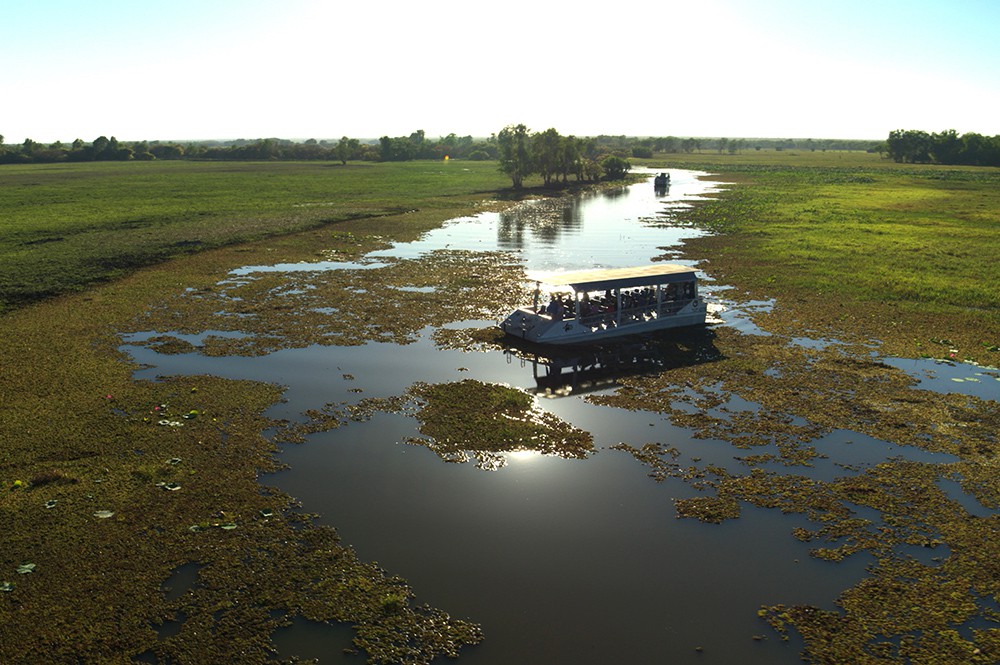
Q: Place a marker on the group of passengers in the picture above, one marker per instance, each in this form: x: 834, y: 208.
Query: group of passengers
x: 637, y: 304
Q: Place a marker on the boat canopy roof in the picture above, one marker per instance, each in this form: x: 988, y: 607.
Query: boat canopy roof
x: 597, y: 280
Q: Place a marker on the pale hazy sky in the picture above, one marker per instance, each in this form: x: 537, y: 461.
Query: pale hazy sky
x: 200, y: 69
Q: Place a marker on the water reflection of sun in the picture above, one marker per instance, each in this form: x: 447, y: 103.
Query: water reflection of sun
x: 523, y: 455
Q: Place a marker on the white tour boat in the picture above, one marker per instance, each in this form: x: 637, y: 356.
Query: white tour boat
x: 591, y: 305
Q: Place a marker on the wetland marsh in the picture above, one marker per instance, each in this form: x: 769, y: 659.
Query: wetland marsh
x: 776, y: 485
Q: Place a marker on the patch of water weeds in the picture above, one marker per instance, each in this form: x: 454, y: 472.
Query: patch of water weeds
x: 266, y: 311
x: 463, y: 420
x: 910, y: 608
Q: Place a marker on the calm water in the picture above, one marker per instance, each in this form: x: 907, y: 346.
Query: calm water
x: 561, y: 561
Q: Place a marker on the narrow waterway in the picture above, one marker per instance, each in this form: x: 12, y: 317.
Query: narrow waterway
x: 562, y: 561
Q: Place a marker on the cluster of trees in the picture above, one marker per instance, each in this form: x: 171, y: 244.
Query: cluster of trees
x: 552, y: 156
x: 415, y: 146
x: 947, y: 147
x: 101, y: 149
x: 418, y: 146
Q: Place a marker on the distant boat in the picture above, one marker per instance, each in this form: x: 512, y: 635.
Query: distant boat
x: 662, y: 181
x: 592, y: 305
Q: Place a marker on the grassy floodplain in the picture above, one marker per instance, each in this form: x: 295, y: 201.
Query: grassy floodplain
x: 66, y: 226
x: 105, y: 502
x: 851, y: 244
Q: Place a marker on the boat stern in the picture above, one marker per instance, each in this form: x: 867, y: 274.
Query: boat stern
x: 542, y: 328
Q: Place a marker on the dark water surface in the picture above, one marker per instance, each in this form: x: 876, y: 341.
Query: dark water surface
x: 561, y: 561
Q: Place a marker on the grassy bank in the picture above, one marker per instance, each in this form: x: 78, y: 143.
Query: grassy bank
x: 68, y: 226
x: 852, y: 245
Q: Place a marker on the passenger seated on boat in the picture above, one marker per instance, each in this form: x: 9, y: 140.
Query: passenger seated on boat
x: 555, y: 309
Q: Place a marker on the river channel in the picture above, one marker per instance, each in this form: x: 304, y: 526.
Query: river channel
x: 578, y: 561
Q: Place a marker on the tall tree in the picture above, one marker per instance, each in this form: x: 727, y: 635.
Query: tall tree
x: 514, y: 153
x: 545, y: 149
x: 345, y: 149
x: 569, y: 158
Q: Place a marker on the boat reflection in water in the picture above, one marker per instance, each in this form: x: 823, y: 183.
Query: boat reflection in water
x: 579, y: 369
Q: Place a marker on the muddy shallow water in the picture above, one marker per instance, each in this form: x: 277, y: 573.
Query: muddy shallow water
x: 560, y: 560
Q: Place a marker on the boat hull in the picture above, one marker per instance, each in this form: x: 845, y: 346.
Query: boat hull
x: 544, y: 329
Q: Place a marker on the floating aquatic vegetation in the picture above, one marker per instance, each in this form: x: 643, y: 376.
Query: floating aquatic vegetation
x: 471, y: 418
x: 483, y: 338
x: 168, y: 344
x: 104, y: 514
x: 462, y: 420
x: 6, y: 586
x: 652, y: 455
x: 904, y: 608
x: 26, y: 568
x: 275, y: 309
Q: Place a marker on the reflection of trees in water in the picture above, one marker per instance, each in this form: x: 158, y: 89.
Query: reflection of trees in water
x: 542, y: 222
x: 546, y: 222
x: 615, y: 193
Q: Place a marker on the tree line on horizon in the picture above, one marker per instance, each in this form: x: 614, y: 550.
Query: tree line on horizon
x: 400, y: 148
x: 914, y: 146
x: 904, y: 146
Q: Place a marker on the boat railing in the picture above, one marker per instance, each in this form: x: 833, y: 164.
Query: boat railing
x: 635, y: 314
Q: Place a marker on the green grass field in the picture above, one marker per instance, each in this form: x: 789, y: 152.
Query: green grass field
x: 66, y: 226
x: 860, y: 242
